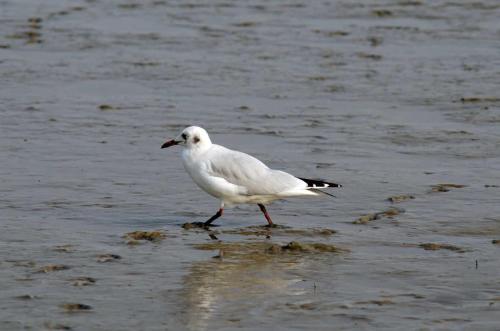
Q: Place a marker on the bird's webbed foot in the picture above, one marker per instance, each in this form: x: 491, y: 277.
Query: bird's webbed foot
x: 197, y: 225
x: 272, y: 226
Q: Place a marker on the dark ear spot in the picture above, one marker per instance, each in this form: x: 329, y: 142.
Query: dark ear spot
x: 196, y: 139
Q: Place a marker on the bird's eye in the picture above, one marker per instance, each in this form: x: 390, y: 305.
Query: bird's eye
x: 196, y: 139
x: 184, y: 136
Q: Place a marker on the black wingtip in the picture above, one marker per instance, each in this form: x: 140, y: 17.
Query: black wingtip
x: 319, y: 183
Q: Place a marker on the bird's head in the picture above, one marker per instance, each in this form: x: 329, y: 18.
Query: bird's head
x: 192, y: 137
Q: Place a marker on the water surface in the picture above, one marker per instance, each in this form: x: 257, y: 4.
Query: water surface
x: 387, y: 98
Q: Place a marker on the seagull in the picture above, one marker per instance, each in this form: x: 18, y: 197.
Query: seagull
x: 235, y: 177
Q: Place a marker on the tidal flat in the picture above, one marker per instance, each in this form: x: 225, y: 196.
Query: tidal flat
x: 396, y: 100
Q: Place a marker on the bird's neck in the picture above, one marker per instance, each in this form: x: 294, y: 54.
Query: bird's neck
x: 199, y: 149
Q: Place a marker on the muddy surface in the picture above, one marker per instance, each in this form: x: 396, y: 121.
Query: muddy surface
x: 388, y: 98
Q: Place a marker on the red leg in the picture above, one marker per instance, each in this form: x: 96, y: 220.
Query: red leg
x: 213, y: 218
x: 264, y: 211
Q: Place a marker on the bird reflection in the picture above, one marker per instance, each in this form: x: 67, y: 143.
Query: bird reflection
x: 241, y: 275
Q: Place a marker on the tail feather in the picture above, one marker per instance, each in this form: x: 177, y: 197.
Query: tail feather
x: 315, y: 184
x: 315, y: 190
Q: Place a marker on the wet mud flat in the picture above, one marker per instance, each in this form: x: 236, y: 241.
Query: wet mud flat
x: 396, y: 100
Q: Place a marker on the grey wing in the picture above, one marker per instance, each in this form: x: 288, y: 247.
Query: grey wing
x: 253, y: 176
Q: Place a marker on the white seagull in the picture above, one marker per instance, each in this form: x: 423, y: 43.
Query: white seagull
x: 235, y: 177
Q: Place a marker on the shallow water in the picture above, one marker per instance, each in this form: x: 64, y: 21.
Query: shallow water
x: 387, y: 98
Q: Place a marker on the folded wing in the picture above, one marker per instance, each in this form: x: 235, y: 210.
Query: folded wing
x: 251, y: 175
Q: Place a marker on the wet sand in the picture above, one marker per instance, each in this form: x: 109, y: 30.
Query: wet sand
x: 396, y: 100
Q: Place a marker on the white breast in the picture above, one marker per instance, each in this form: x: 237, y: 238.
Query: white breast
x: 198, y: 168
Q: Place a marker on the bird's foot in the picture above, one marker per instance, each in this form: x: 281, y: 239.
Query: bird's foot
x: 272, y: 226
x: 197, y: 225
x: 275, y: 226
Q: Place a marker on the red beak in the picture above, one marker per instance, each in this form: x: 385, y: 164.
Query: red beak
x: 169, y: 143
